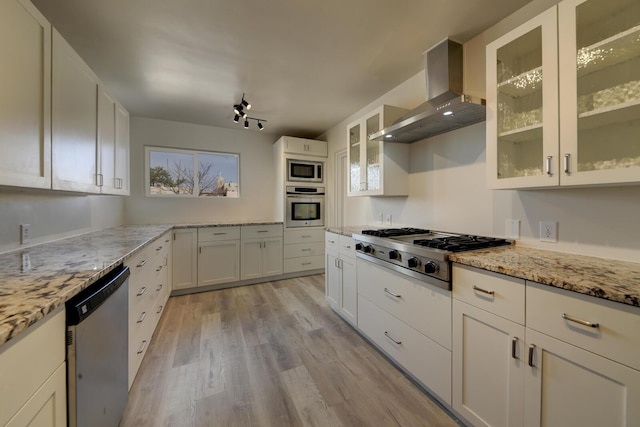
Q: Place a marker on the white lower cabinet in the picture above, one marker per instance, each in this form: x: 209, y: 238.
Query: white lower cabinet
x: 147, y: 293
x: 261, y: 251
x: 34, y: 378
x: 218, y: 255
x: 303, y: 250
x: 410, y: 321
x: 572, y: 361
x: 341, y: 289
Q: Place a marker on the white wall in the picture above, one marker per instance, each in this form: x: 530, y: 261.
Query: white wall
x: 448, y: 180
x: 54, y: 215
x: 256, y: 174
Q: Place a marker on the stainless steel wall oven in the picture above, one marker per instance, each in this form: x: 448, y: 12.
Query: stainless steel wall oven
x: 304, y: 207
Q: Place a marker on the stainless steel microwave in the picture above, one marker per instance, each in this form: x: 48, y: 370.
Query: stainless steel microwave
x: 305, y: 171
x: 305, y: 207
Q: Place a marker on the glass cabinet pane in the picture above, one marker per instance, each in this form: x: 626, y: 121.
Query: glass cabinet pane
x: 373, y: 154
x: 519, y: 109
x: 608, y: 84
x: 354, y: 158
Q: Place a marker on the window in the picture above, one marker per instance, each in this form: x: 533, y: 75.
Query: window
x: 189, y: 173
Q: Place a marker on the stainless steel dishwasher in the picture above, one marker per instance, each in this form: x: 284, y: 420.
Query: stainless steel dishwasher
x: 97, y: 352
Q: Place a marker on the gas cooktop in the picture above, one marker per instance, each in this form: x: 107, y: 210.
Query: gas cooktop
x: 421, y: 253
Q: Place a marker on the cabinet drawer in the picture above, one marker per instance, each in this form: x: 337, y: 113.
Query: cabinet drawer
x: 292, y: 265
x: 213, y: 234
x: 424, y: 307
x: 303, y: 236
x: 347, y: 246
x: 332, y: 241
x: 260, y: 231
x: 303, y: 249
x: 429, y: 362
x: 493, y: 292
x: 617, y: 336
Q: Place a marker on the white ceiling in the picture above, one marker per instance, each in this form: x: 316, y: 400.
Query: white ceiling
x: 304, y: 65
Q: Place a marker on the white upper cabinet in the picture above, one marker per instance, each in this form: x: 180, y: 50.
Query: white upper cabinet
x: 113, y: 143
x: 122, y: 151
x: 74, y: 121
x: 307, y: 147
x: 522, y: 105
x: 376, y: 168
x: 583, y: 55
x: 599, y: 55
x: 25, y: 104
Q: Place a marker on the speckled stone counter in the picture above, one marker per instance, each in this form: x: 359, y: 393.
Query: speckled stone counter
x: 227, y: 224
x: 603, y: 278
x: 351, y: 229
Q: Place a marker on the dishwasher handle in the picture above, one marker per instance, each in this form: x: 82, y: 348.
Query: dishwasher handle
x: 88, y: 300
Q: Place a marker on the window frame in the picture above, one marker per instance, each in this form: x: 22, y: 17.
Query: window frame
x: 196, y: 165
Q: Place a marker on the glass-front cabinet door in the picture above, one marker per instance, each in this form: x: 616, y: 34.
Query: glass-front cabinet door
x: 353, y: 136
x: 599, y: 50
x: 373, y: 170
x: 522, y: 106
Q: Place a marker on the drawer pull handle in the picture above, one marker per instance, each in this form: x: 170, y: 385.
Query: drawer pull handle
x: 305, y: 250
x: 306, y: 263
x: 141, y: 319
x: 386, y: 334
x: 159, y: 309
x: 159, y: 287
x: 306, y: 236
x: 144, y: 345
x: 330, y: 241
x: 159, y: 248
x: 514, y: 348
x: 262, y: 231
x: 580, y: 321
x: 347, y: 246
x: 143, y: 262
x: 219, y: 234
x: 484, y: 291
x: 532, y: 349
x: 142, y: 291
x: 159, y: 268
x: 392, y: 294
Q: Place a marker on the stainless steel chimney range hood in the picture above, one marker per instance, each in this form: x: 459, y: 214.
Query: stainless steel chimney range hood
x: 446, y: 109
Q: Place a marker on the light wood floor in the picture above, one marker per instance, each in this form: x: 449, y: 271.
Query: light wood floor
x: 272, y: 354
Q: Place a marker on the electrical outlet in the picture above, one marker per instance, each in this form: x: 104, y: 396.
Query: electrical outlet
x: 512, y: 228
x: 380, y: 218
x: 387, y: 219
x: 25, y: 233
x: 26, y: 262
x: 548, y: 231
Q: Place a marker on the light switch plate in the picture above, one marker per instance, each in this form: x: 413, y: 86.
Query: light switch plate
x: 387, y: 219
x: 25, y: 233
x: 548, y: 231
x: 512, y: 229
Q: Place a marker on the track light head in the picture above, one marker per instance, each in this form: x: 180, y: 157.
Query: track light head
x: 260, y: 127
x: 243, y: 114
x: 238, y: 109
x: 246, y: 104
x: 236, y: 118
x: 246, y: 123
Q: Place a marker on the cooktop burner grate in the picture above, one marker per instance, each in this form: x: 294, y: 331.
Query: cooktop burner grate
x: 461, y: 243
x: 395, y: 232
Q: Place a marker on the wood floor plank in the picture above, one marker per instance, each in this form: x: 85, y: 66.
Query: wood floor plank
x: 272, y: 354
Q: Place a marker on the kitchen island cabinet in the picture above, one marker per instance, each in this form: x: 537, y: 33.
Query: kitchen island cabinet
x: 25, y: 106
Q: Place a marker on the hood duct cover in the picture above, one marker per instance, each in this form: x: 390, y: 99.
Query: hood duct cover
x: 446, y: 109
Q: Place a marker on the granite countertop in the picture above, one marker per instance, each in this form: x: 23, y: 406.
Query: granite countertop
x: 614, y: 280
x: 351, y: 229
x: 61, y: 269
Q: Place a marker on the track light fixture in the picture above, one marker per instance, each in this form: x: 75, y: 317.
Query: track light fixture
x: 239, y: 112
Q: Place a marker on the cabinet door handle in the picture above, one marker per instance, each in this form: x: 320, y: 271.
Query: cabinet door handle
x: 141, y: 319
x: 143, y: 262
x: 144, y: 345
x: 99, y: 180
x: 566, y: 163
x: 532, y: 349
x: 159, y: 248
x: 514, y: 348
x: 392, y: 294
x: 159, y: 268
x: 159, y: 309
x: 159, y: 288
x: 594, y: 325
x: 388, y: 335
x: 484, y: 291
x: 548, y: 166
x: 142, y: 291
